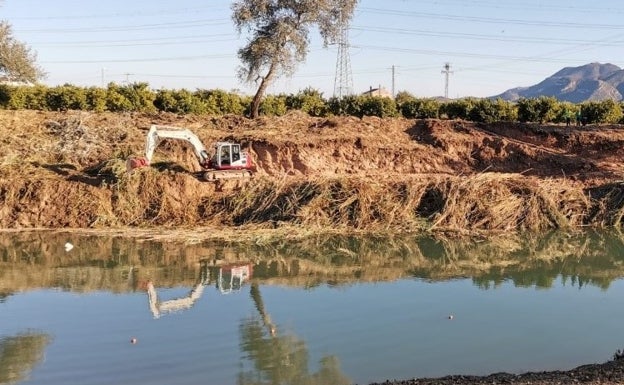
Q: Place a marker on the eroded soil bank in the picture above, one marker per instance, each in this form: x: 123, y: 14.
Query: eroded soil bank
x: 67, y: 170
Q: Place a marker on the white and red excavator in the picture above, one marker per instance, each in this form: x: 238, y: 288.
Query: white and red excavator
x: 228, y: 160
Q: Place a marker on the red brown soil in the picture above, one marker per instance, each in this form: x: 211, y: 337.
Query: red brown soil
x: 53, y: 165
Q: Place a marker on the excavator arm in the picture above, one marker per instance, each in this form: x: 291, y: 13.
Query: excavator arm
x: 159, y: 308
x: 157, y: 134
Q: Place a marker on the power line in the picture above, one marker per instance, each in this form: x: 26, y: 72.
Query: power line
x: 138, y: 60
x: 491, y: 20
x: 526, y: 6
x: 472, y: 36
x: 118, y: 14
x: 146, y: 44
x: 143, y: 27
x: 151, y: 39
x: 462, y: 54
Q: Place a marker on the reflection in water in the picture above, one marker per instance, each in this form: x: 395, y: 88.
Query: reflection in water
x: 39, y: 260
x: 275, y: 359
x: 420, y: 331
x: 20, y: 354
x: 279, y: 359
x: 159, y: 308
x: 227, y: 279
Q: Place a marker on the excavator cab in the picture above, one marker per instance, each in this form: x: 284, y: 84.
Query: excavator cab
x: 227, y: 155
x: 232, y: 278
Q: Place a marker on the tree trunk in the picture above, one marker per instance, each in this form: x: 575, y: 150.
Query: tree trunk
x: 255, y: 103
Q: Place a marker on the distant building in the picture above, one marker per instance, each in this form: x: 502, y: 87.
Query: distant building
x: 380, y: 91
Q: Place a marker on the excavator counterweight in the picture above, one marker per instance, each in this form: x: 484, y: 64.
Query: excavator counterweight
x: 228, y: 160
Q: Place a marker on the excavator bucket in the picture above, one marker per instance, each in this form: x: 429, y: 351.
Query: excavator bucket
x: 133, y: 163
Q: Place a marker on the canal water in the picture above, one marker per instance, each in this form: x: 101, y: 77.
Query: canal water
x: 88, y: 310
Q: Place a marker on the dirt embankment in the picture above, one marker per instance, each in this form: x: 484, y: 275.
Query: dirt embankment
x: 67, y: 169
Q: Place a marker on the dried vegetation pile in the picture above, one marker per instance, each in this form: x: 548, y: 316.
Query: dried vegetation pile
x: 67, y: 170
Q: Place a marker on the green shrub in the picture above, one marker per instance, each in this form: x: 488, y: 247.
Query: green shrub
x: 116, y: 101
x: 489, y: 111
x: 403, y: 97
x: 309, y: 101
x: 66, y: 97
x: 219, y: 102
x: 606, y: 111
x: 542, y: 109
x: 379, y: 106
x: 96, y: 99
x: 458, y: 109
x: 178, y: 101
x: 420, y: 108
x: 139, y: 96
x: 349, y: 105
x: 5, y: 95
x: 273, y: 105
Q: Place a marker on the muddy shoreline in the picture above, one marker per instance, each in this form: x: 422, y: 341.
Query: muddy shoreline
x: 608, y: 373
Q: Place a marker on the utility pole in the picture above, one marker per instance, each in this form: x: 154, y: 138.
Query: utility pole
x: 343, y: 82
x: 103, y: 76
x: 393, y: 74
x: 446, y: 71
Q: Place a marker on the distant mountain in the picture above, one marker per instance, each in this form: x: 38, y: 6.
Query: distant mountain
x: 592, y: 81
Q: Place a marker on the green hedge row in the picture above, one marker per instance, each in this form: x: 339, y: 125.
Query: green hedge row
x: 139, y: 97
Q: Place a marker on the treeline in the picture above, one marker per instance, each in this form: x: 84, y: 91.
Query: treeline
x: 139, y: 97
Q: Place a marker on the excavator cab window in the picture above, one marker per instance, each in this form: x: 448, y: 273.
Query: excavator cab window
x: 225, y: 154
x: 235, y: 153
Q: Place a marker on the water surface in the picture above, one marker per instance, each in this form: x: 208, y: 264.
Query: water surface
x: 329, y: 310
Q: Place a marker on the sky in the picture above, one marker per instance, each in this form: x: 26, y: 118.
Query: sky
x: 400, y: 45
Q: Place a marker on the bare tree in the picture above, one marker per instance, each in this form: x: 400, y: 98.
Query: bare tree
x: 279, y: 36
x: 17, y: 61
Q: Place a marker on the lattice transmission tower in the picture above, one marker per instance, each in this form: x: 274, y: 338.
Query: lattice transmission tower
x: 343, y: 81
x: 446, y: 72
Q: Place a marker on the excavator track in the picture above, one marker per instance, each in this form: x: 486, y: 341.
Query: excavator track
x: 215, y: 175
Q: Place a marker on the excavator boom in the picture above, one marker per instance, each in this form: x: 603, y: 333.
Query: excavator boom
x: 156, y: 135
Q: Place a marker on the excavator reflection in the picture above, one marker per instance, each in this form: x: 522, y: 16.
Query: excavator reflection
x: 270, y: 358
x: 227, y: 278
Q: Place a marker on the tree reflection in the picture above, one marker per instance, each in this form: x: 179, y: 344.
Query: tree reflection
x: 280, y: 359
x: 20, y: 354
x: 4, y: 296
x: 103, y: 263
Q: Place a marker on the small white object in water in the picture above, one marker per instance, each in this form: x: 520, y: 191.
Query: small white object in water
x: 451, y: 316
x: 68, y: 246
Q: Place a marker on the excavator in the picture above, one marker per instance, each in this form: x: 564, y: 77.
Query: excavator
x: 228, y: 278
x: 228, y: 160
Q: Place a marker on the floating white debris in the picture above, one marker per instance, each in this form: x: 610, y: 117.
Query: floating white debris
x: 68, y: 246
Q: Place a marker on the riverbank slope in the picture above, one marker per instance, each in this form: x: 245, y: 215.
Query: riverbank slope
x: 67, y: 170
